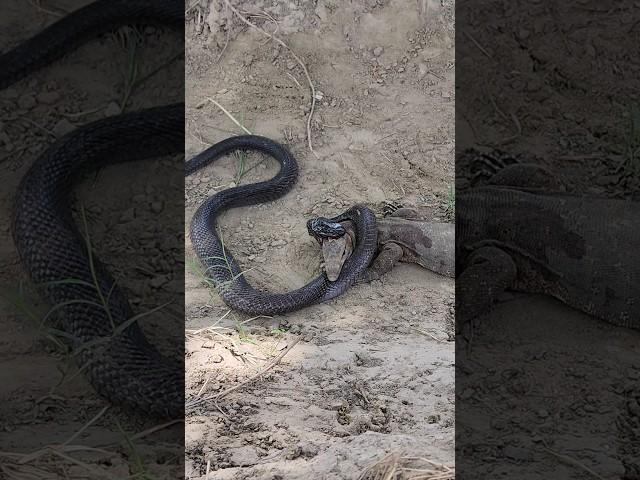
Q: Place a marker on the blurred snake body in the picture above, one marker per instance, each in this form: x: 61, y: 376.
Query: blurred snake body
x: 108, y: 344
x: 110, y: 347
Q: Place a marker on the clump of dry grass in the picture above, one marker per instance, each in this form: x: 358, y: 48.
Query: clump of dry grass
x: 72, y: 460
x: 396, y: 466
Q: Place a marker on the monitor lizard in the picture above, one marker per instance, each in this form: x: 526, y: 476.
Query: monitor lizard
x: 400, y: 239
x: 522, y: 233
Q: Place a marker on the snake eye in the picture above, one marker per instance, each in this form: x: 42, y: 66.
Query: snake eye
x: 324, y: 228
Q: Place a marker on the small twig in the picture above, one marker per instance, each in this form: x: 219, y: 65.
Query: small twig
x: 424, y: 332
x: 227, y: 36
x: 37, y: 125
x: 204, y: 385
x: 260, y: 373
x: 294, y: 79
x: 192, y: 7
x: 154, y: 429
x: 497, y: 108
x: 439, y: 77
x: 475, y: 42
x: 300, y: 62
x: 233, y: 119
x: 160, y: 67
x: 399, y: 187
x: 267, y: 16
x: 516, y: 122
x: 384, y: 138
x: 573, y: 462
x: 217, y: 396
x: 85, y: 426
x: 38, y: 4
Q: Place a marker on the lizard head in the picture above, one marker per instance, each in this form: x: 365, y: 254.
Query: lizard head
x: 336, y: 242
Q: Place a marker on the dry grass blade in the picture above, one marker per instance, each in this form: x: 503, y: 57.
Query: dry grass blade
x: 395, y: 466
x: 424, y: 332
x: 51, y: 460
x: 475, y: 42
x: 55, y: 11
x: 157, y: 428
x: 86, y: 425
x: 260, y: 373
x: 254, y: 377
x: 231, y: 117
x: 384, y: 469
x: 574, y: 462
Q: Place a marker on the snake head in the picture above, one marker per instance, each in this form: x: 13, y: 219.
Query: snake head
x: 336, y: 241
x: 322, y: 228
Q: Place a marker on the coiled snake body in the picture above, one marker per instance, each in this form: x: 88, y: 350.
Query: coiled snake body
x: 112, y: 350
x: 220, y: 264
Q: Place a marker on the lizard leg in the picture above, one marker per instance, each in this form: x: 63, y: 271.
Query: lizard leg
x: 383, y: 263
x: 489, y: 271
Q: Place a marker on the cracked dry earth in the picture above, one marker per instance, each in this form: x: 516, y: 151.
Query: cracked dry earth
x: 373, y: 372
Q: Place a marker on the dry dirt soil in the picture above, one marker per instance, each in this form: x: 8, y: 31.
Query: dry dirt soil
x: 43, y: 398
x: 549, y: 392
x: 373, y: 373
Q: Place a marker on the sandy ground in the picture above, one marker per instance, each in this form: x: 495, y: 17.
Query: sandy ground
x: 548, y: 392
x: 373, y: 372
x: 43, y: 399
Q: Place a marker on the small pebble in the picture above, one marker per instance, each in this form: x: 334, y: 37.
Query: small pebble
x: 48, y: 98
x: 27, y: 102
x: 157, y: 207
x: 378, y: 51
x: 157, y: 282
x: 10, y: 93
x: 112, y: 109
x: 128, y: 215
x: 63, y: 127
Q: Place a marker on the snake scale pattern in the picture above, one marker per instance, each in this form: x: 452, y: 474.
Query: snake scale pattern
x: 111, y: 349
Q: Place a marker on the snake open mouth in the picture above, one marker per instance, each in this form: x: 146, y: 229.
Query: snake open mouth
x: 335, y: 252
x: 337, y: 241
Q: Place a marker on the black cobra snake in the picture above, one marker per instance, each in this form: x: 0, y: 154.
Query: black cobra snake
x: 220, y: 264
x: 112, y: 350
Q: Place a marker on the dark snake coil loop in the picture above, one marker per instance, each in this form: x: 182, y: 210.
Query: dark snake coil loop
x: 111, y: 350
x: 219, y: 262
